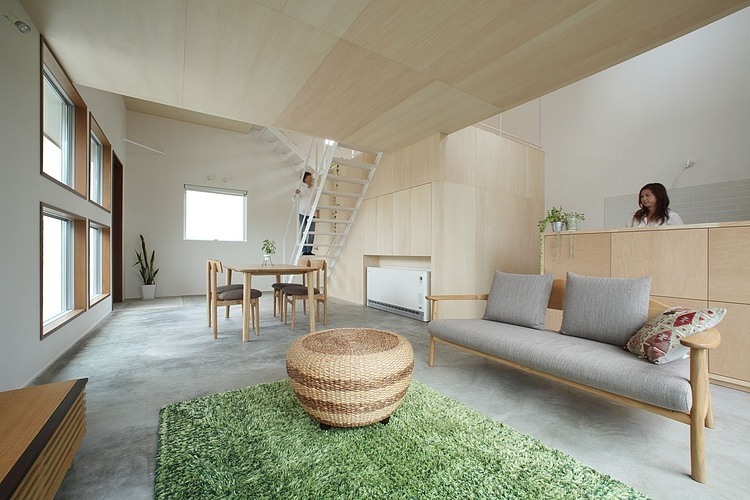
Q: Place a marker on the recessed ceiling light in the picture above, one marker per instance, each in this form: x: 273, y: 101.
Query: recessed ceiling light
x: 23, y: 27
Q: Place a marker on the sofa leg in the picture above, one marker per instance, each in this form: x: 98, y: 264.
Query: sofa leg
x: 710, y: 409
x: 698, y: 413
x: 431, y: 361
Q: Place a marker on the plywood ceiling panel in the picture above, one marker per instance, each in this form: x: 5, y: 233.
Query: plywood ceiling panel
x: 351, y: 88
x: 379, y: 73
x: 437, y: 108
x: 245, y: 61
x: 185, y: 115
x: 132, y: 48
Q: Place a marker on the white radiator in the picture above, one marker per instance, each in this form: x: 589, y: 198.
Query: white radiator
x: 399, y: 290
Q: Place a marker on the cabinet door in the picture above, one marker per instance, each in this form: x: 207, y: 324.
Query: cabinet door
x: 731, y: 358
x: 728, y: 265
x: 589, y: 254
x: 421, y: 220
x: 677, y: 259
x: 369, y: 221
x: 384, y: 227
x: 402, y: 222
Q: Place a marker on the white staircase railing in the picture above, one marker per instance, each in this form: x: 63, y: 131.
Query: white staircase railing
x: 342, y: 175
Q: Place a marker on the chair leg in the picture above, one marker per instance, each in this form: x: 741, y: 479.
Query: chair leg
x: 208, y: 308
x: 252, y: 314
x: 304, y: 306
x: 294, y: 309
x: 275, y: 301
x: 257, y: 317
x: 325, y: 311
x: 227, y: 313
x: 214, y: 320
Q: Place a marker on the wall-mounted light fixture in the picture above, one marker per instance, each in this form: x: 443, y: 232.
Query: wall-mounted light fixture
x: 20, y: 25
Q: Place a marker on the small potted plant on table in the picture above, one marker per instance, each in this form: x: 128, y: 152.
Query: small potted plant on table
x: 146, y: 268
x: 269, y: 249
x: 555, y: 218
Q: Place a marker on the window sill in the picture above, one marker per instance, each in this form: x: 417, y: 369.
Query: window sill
x: 96, y: 299
x: 59, y: 322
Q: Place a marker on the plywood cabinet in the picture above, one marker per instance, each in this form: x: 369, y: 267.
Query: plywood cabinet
x: 402, y: 221
x: 692, y: 266
x: 676, y: 259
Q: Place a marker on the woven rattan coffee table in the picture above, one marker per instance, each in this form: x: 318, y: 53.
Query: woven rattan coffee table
x: 350, y: 377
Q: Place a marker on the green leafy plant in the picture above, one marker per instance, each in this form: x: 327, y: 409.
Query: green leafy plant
x: 269, y: 247
x: 554, y: 214
x: 148, y: 273
x: 574, y: 215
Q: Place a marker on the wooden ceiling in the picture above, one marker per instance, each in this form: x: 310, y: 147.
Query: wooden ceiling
x: 379, y: 74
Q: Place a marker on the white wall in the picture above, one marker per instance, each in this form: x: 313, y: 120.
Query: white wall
x: 154, y: 199
x: 22, y: 354
x: 640, y: 121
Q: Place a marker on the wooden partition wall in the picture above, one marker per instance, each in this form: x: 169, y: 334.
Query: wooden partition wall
x: 463, y: 205
x: 702, y: 265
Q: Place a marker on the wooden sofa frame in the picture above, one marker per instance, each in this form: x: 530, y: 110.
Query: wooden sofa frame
x: 701, y: 413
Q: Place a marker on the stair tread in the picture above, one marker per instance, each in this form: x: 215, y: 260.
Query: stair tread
x: 353, y: 163
x: 330, y: 207
x: 342, y: 194
x: 350, y: 180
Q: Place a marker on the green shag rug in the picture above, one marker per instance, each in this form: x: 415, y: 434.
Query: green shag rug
x: 259, y: 443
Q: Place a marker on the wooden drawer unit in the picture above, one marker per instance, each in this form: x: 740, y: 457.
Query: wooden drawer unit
x: 590, y: 254
x: 728, y: 250
x: 41, y: 428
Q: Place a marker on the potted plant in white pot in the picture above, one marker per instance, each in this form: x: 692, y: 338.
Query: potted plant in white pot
x: 572, y: 219
x: 269, y: 249
x: 146, y: 268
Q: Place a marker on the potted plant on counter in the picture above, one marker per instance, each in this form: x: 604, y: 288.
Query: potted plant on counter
x: 555, y: 218
x: 572, y: 219
x: 146, y: 268
x: 269, y: 249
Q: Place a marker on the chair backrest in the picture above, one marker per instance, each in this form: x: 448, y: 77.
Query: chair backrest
x: 557, y: 300
x: 321, y: 266
x: 213, y: 268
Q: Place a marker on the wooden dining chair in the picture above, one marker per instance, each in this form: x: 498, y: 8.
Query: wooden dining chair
x: 226, y: 296
x: 291, y: 294
x: 278, y: 297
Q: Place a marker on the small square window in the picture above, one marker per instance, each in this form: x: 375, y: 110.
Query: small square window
x: 215, y: 214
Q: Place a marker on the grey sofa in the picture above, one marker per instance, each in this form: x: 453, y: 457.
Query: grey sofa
x: 678, y: 390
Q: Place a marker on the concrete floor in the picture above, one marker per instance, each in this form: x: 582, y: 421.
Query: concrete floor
x: 146, y: 355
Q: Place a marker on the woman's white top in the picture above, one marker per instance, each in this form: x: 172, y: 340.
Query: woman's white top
x: 304, y: 206
x: 672, y: 220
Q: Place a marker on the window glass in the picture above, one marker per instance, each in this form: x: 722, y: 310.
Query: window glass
x: 57, y: 267
x: 96, y: 169
x: 95, y: 261
x: 215, y: 214
x: 57, y: 150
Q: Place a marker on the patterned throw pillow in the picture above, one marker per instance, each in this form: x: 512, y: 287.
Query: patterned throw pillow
x: 659, y: 339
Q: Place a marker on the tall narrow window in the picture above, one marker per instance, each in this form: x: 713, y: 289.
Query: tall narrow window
x: 63, y: 267
x: 57, y: 139
x: 95, y: 261
x: 100, y: 166
x: 215, y: 214
x: 64, y: 127
x: 57, y: 267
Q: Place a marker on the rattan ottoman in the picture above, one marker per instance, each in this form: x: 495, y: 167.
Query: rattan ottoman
x: 350, y: 377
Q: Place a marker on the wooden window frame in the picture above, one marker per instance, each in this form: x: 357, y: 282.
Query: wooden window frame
x: 80, y: 277
x: 80, y: 123
x: 106, y: 180
x: 106, y: 262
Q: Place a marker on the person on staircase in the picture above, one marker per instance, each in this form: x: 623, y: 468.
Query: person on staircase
x: 303, y: 196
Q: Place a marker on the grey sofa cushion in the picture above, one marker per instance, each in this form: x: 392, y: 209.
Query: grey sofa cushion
x: 608, y: 310
x: 593, y: 364
x: 519, y: 299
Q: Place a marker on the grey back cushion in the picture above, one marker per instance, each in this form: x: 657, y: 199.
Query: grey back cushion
x: 608, y: 310
x: 519, y: 299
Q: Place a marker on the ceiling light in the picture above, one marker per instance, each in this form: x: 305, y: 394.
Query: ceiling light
x: 20, y: 25
x: 23, y: 27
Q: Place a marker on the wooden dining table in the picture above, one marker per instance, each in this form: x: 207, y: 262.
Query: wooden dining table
x: 278, y: 270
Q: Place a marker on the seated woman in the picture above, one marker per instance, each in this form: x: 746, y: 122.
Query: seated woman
x: 654, y: 210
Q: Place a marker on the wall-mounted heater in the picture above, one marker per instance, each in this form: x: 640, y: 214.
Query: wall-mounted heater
x: 399, y: 290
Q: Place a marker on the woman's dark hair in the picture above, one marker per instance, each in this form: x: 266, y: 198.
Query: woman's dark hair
x: 661, y: 210
x: 307, y: 174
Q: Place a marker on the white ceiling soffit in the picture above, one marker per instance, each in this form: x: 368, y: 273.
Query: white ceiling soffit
x: 377, y: 73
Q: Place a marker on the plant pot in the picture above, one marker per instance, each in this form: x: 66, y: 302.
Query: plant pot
x: 556, y: 226
x: 148, y: 292
x: 267, y: 260
x: 572, y: 224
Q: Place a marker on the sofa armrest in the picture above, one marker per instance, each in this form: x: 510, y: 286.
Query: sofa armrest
x: 435, y: 299
x: 708, y: 339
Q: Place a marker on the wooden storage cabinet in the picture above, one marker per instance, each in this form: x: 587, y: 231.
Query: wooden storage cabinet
x: 41, y: 429
x: 692, y: 266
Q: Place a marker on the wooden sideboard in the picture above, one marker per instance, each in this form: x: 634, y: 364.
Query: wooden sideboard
x: 41, y: 428
x: 700, y: 265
